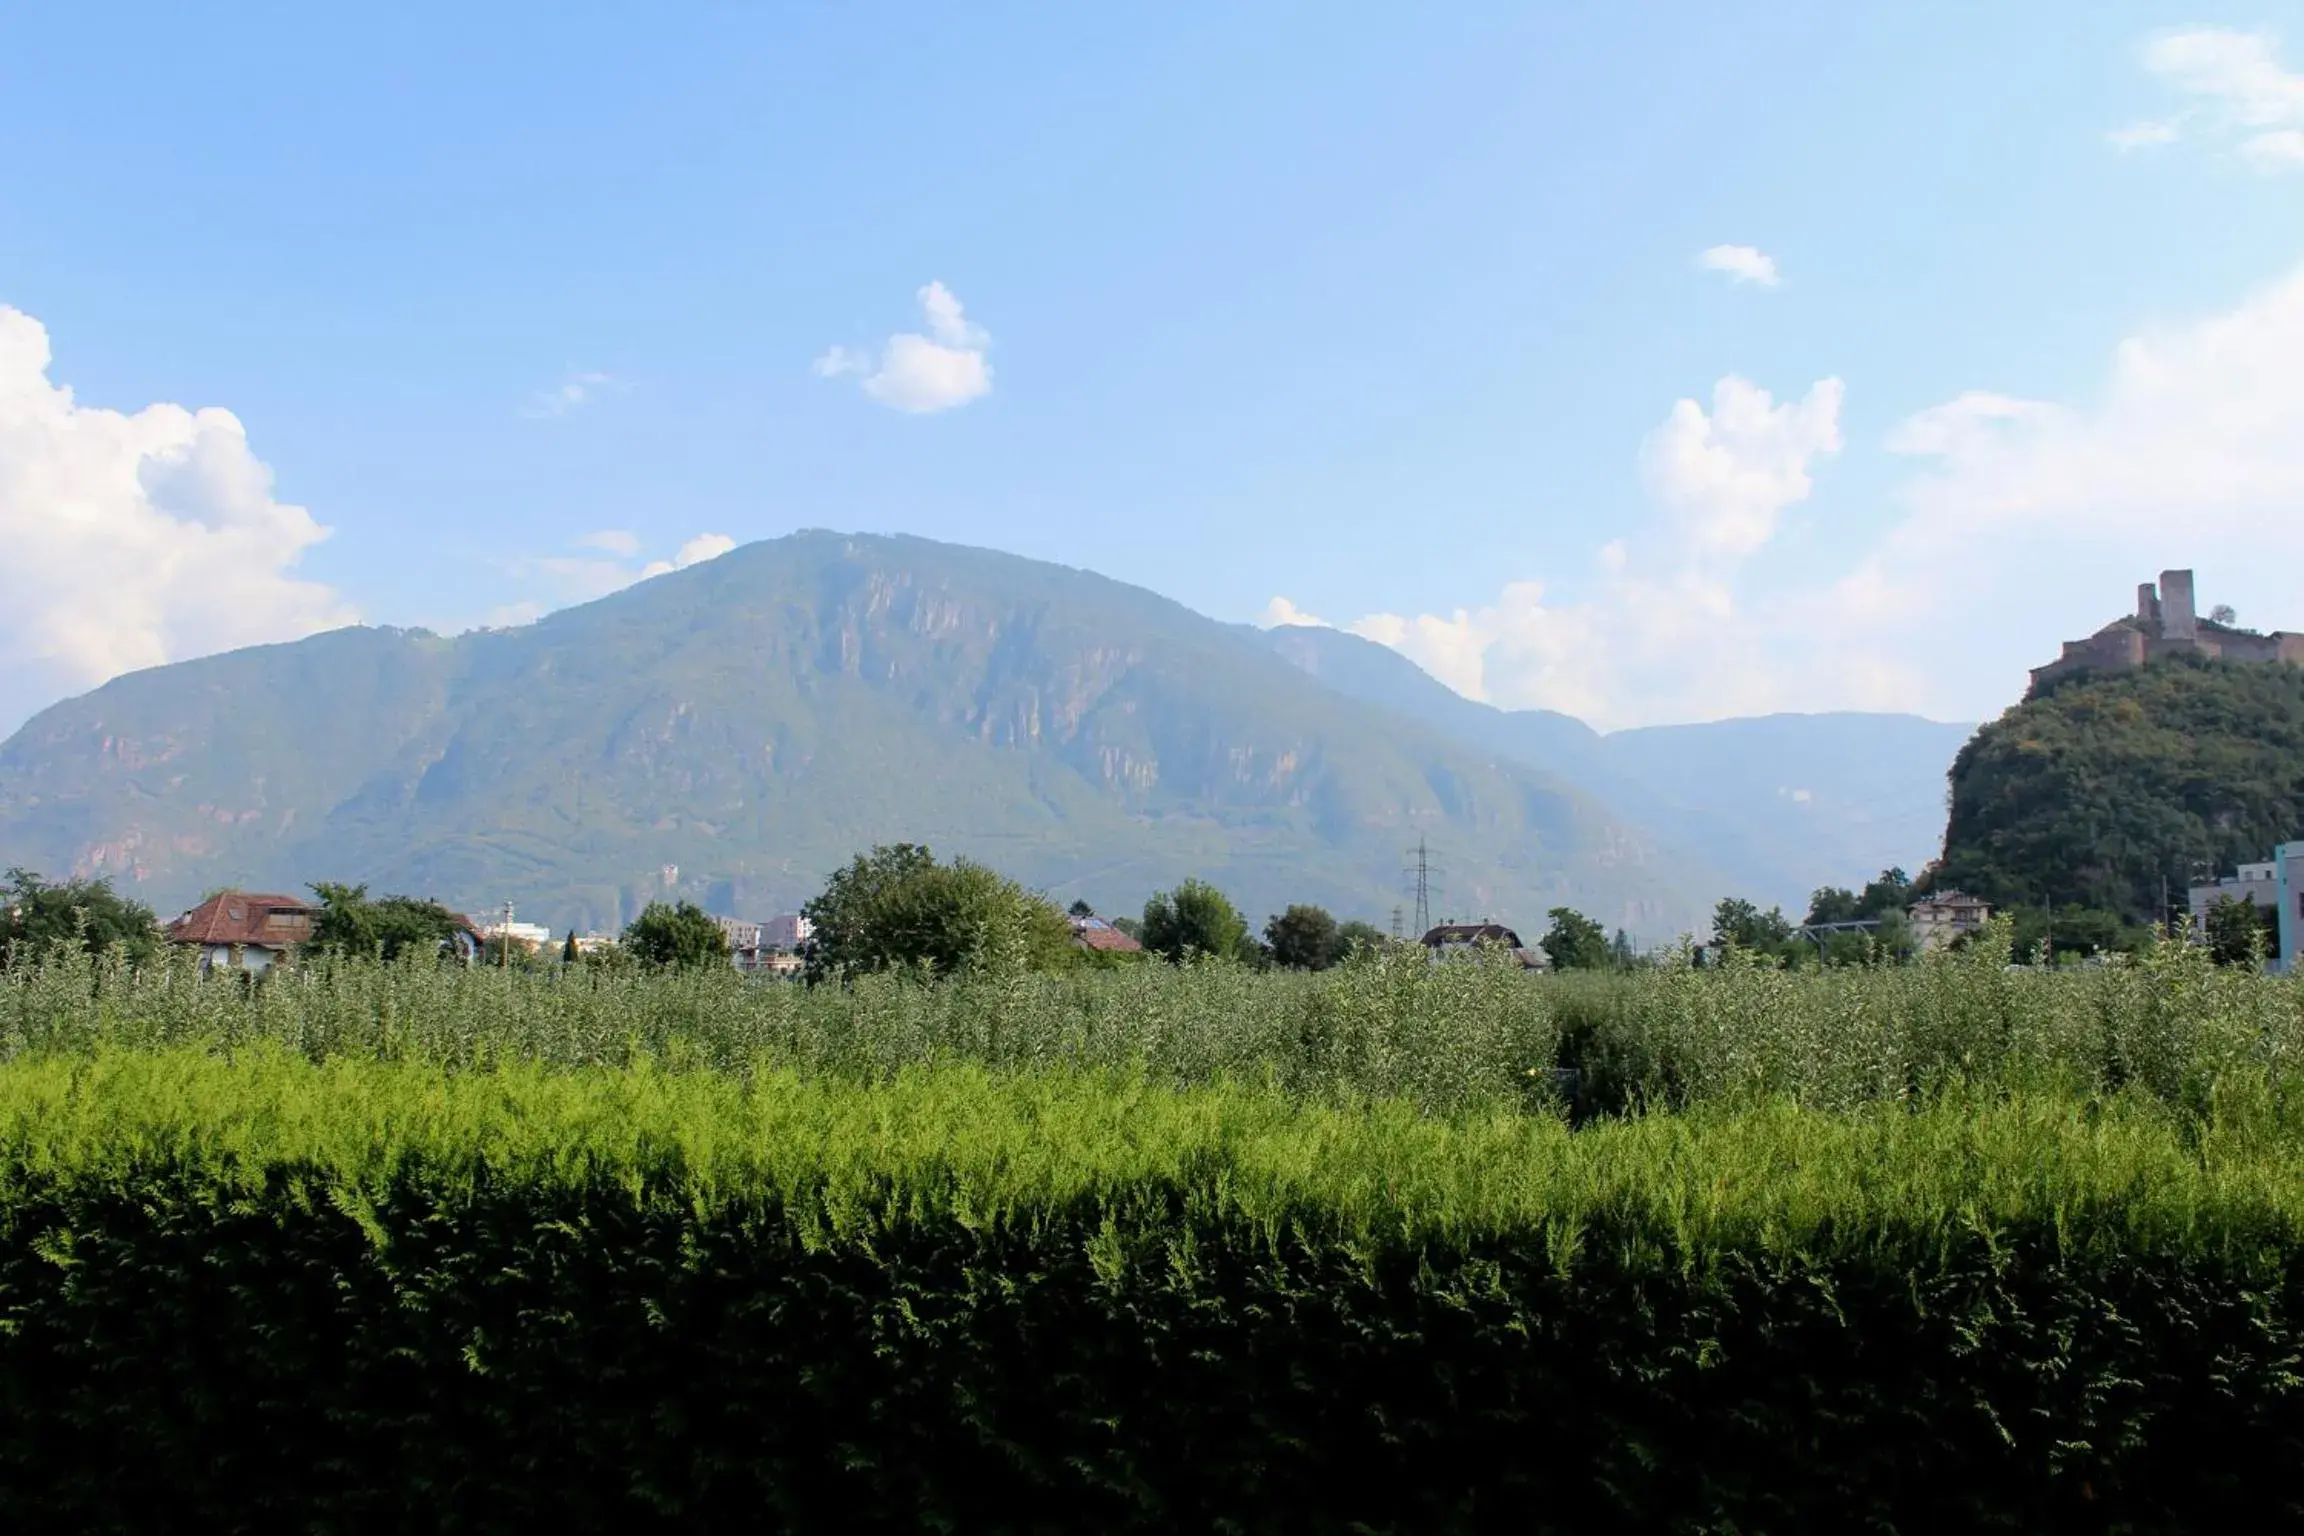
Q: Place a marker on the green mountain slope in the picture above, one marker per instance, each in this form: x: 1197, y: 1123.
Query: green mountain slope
x: 2104, y: 785
x: 1781, y: 804
x: 733, y: 731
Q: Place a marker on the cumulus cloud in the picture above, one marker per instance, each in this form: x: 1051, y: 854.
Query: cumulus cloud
x: 2242, y: 96
x: 1743, y: 263
x: 133, y: 540
x: 1730, y: 474
x: 2020, y: 523
x: 1660, y: 636
x: 922, y: 374
x: 1280, y: 612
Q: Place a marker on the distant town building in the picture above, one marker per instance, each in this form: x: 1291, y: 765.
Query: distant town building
x: 1940, y: 919
x: 771, y: 948
x: 244, y: 930
x: 1451, y: 941
x: 2275, y: 885
x: 1094, y: 934
x: 2166, y: 622
x: 529, y: 936
x: 740, y: 934
x: 787, y: 930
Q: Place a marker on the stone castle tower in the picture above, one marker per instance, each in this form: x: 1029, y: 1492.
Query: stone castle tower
x: 2166, y: 620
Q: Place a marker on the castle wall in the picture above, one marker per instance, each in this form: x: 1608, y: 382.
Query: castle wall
x: 2167, y: 621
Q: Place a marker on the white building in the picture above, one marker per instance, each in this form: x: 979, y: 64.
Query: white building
x: 526, y: 935
x: 2276, y: 884
x: 1940, y: 919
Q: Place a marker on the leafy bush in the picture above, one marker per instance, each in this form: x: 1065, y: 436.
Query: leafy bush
x: 896, y: 907
x: 259, y: 1292
x: 669, y: 936
x: 1194, y: 919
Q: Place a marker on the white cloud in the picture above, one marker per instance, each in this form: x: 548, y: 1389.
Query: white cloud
x: 703, y: 547
x: 922, y: 374
x: 1744, y: 263
x: 133, y: 540
x: 574, y: 390
x: 2021, y: 524
x: 2243, y: 96
x: 616, y: 541
x: 1730, y: 475
x: 1280, y: 613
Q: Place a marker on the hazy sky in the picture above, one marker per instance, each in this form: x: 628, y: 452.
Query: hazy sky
x: 1650, y: 362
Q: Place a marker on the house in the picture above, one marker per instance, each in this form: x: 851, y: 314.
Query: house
x: 244, y: 930
x: 2276, y: 885
x: 1950, y: 915
x: 1451, y: 941
x: 1099, y: 937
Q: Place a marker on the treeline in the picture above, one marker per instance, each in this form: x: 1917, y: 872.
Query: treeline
x: 894, y: 908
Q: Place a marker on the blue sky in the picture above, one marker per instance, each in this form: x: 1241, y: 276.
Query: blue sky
x: 1396, y: 318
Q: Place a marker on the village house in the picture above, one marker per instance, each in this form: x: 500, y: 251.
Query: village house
x: 1451, y: 941
x: 1940, y: 919
x: 244, y: 930
x: 1097, y: 936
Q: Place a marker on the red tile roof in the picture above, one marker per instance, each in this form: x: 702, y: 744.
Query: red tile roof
x: 245, y: 917
x: 1095, y: 933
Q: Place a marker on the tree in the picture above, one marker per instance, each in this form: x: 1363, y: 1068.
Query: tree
x: 1195, y: 918
x: 569, y: 953
x: 1622, y: 952
x: 1081, y: 909
x: 349, y: 923
x: 1303, y: 938
x: 2236, y: 931
x: 1356, y: 937
x: 1575, y: 942
x: 1891, y: 892
x: 896, y: 907
x: 1833, y: 904
x: 1738, y: 922
x: 670, y: 936
x: 34, y: 916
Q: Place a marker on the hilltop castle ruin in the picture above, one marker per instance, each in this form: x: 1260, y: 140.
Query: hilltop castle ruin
x: 2165, y: 622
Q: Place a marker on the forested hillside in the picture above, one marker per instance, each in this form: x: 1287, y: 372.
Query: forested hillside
x: 2108, y: 789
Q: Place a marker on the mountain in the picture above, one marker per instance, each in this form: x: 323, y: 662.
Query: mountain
x: 734, y: 731
x: 2110, y: 789
x: 1781, y: 804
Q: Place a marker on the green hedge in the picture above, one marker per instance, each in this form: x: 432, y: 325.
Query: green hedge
x: 266, y: 1295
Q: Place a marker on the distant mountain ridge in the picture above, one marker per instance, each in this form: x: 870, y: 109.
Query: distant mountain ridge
x: 1782, y: 803
x: 733, y: 731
